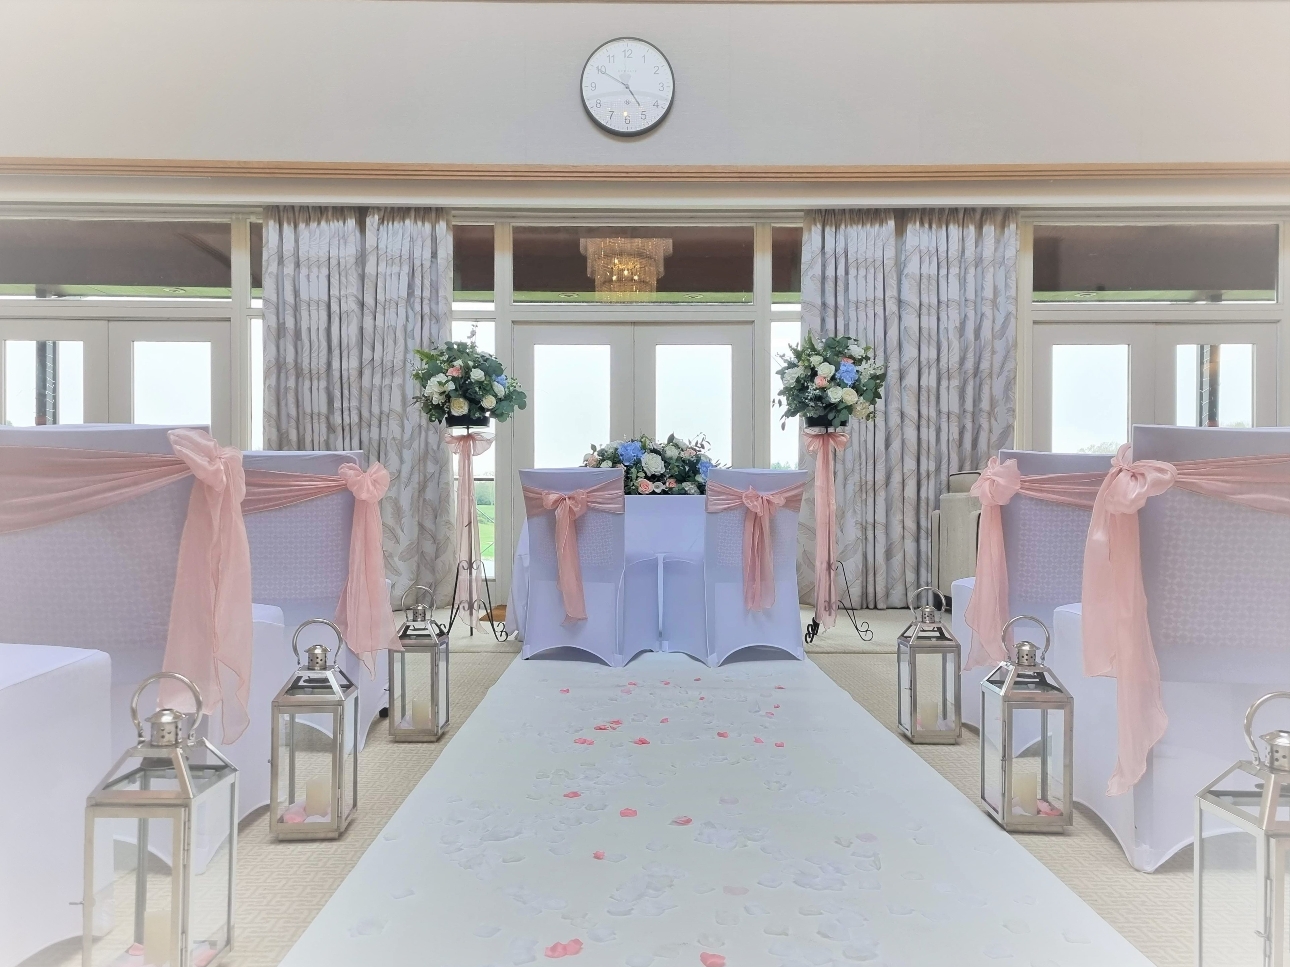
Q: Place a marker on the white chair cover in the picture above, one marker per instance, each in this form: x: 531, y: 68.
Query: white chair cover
x: 104, y: 580
x: 1044, y: 544
x: 299, y: 562
x: 55, y: 718
x: 601, y: 555
x: 730, y: 625
x: 1215, y: 574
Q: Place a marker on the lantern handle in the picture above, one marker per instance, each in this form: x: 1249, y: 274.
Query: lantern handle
x: 913, y: 599
x: 1249, y: 720
x: 403, y: 601
x: 295, y: 650
x: 1048, y: 638
x: 134, y: 701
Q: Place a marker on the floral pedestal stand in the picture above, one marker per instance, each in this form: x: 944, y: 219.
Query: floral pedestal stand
x: 470, y: 592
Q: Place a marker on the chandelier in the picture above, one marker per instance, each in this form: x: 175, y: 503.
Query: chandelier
x: 625, y: 265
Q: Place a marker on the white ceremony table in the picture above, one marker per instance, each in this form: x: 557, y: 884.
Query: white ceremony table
x: 62, y: 696
x: 654, y: 526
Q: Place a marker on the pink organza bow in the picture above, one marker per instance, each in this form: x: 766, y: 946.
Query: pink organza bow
x: 607, y: 497
x: 1117, y: 635
x: 759, y: 508
x: 468, y: 587
x: 210, y: 614
x: 822, y: 443
x: 363, y: 613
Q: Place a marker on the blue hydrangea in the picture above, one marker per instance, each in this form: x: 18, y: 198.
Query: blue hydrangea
x: 704, y: 467
x: 500, y: 379
x: 630, y: 452
x: 847, y: 372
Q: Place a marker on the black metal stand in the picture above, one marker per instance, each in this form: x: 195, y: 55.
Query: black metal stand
x: 468, y: 606
x: 847, y: 606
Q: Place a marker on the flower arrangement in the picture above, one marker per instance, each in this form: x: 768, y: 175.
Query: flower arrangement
x: 828, y: 381
x: 652, y: 467
x: 464, y: 386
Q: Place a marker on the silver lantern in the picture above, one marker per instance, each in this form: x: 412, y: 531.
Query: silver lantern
x: 161, y: 847
x: 1242, y: 841
x: 419, y: 675
x: 1027, y: 741
x: 929, y: 692
x: 313, y: 766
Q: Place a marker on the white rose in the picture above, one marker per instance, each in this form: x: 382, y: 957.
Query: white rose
x: 863, y: 410
x: 849, y: 396
x: 438, y: 379
x: 671, y: 452
x: 825, y: 369
x: 499, y: 389
x: 459, y: 406
x: 606, y: 463
x: 816, y: 360
x: 657, y: 487
x: 653, y: 464
x: 792, y: 374
x: 488, y: 402
x: 477, y: 375
x: 835, y: 393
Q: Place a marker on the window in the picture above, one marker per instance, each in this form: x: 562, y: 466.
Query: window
x: 483, y: 333
x: 1090, y: 387
x: 57, y: 259
x: 686, y: 264
x: 1155, y: 263
x: 44, y: 382
x: 783, y: 430
x: 1215, y: 385
x: 472, y: 263
x: 786, y: 264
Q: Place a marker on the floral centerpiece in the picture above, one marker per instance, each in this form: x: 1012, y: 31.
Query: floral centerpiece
x: 829, y: 381
x: 463, y: 386
x: 652, y: 467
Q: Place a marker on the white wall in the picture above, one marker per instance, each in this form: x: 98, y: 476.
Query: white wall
x: 772, y: 84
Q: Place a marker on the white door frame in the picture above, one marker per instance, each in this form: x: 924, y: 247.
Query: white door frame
x: 93, y: 333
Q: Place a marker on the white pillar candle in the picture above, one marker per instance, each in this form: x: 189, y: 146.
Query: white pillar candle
x: 929, y: 714
x: 1025, y: 791
x: 421, y: 713
x: 318, y: 796
x: 156, y: 937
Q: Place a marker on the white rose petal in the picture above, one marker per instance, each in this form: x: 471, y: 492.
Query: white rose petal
x: 499, y: 389
x: 488, y: 402
x: 459, y: 406
x: 671, y: 452
x: 825, y: 369
x: 835, y: 393
x: 657, y: 487
x: 652, y: 463
x: 849, y: 396
x: 477, y: 375
x: 816, y: 360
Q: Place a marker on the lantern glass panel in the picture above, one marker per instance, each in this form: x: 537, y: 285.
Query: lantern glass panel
x: 349, y: 754
x: 305, y: 762
x: 1231, y: 892
x: 212, y: 875
x: 935, y: 698
x: 411, y: 681
x: 905, y: 699
x: 1038, y: 762
x: 134, y: 915
x: 992, y: 749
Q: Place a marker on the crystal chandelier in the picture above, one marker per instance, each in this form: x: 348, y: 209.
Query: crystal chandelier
x: 626, y: 265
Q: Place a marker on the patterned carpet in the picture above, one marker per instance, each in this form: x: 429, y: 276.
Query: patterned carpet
x: 282, y: 886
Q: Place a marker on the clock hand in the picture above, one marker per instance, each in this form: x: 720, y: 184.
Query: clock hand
x: 632, y: 93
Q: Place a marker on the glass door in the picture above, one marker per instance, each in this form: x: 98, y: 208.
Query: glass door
x: 53, y: 371
x: 171, y: 373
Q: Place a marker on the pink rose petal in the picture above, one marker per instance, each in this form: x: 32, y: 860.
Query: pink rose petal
x: 723, y: 735
x: 682, y: 821
x: 572, y: 795
x: 615, y: 722
x: 708, y: 959
x: 641, y: 741
x: 627, y: 691
x: 779, y: 745
x: 667, y: 683
x: 702, y: 697
x: 780, y: 687
x: 569, y: 949
x: 770, y: 715
x: 627, y: 812
x: 777, y: 706
x: 631, y: 683
x: 581, y: 741
x: 757, y: 740
x: 663, y: 720
x: 564, y: 691
x: 698, y: 679
x: 598, y: 855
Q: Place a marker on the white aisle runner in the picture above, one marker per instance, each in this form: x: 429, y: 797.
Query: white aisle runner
x: 667, y: 813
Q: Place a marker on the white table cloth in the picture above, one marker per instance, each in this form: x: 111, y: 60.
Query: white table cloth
x: 655, y: 526
x: 54, y: 717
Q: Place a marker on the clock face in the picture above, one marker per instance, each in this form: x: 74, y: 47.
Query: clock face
x: 627, y: 86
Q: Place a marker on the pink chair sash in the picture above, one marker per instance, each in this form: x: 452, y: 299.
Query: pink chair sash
x: 759, y: 508
x: 988, y: 610
x: 607, y: 497
x: 363, y: 613
x: 822, y: 442
x: 1117, y: 634
x: 210, y: 613
x: 468, y: 587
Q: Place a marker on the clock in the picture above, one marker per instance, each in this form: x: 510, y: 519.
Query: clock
x: 627, y: 87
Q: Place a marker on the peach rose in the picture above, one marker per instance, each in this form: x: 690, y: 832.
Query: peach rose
x: 454, y: 371
x: 644, y: 486
x: 821, y: 382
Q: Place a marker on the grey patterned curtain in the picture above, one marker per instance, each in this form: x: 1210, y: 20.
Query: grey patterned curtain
x: 348, y: 294
x: 934, y: 292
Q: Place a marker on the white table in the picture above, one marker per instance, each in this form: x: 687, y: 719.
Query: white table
x: 654, y: 526
x: 57, y: 730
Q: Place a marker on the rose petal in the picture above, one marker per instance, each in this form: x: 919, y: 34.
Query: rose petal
x: 780, y: 687
x: 708, y: 959
x: 572, y: 795
x: 757, y: 740
x: 615, y: 721
x: 564, y: 691
x: 779, y: 745
x: 641, y: 741
x: 631, y: 683
x: 574, y: 946
x: 598, y: 855
x: 667, y: 683
x: 627, y: 813
x: 663, y: 720
x: 682, y: 821
x: 723, y: 735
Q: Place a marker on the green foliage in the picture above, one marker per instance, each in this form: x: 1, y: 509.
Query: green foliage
x: 834, y: 379
x: 672, y: 466
x: 450, y: 386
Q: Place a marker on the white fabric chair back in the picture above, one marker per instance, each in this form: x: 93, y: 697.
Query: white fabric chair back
x: 730, y: 625
x: 1215, y: 573
x: 601, y: 557
x: 1044, y: 542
